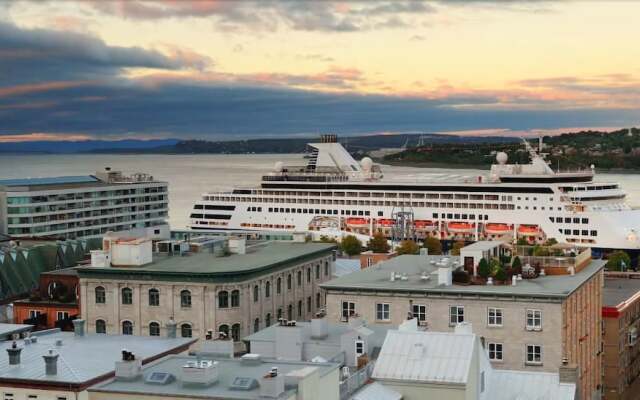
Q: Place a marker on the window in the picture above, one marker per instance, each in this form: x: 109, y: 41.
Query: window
x: 185, y: 330
x: 256, y: 325
x: 185, y: 299
x: 279, y: 314
x: 278, y: 285
x: 326, y: 268
x: 534, y: 354
x: 419, y: 311
x: 299, y: 308
x: 62, y: 315
x: 154, y: 329
x: 267, y: 289
x: 127, y: 296
x: 235, y: 298
x: 267, y: 320
x: 534, y: 320
x: 318, y: 300
x: 494, y: 317
x: 382, y: 311
x: 348, y: 309
x: 154, y: 297
x: 289, y: 282
x: 224, y: 329
x: 223, y: 299
x: 299, y: 278
x: 101, y: 296
x: 127, y: 328
x: 34, y: 314
x: 256, y: 293
x: 290, y: 312
x: 318, y: 271
x: 309, y: 304
x: 456, y: 315
x: 495, y: 351
x: 101, y: 326
x: 235, y: 332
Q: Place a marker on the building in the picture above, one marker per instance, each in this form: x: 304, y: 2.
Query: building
x: 54, y: 304
x: 369, y: 258
x: 72, y: 207
x: 621, y: 322
x: 528, y: 324
x: 455, y: 366
x: 247, y: 378
x: 485, y: 249
x: 231, y: 286
x: 55, y: 365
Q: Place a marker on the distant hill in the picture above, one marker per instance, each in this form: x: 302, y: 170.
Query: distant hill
x: 53, y: 147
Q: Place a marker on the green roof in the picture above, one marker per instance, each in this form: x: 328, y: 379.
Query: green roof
x: 205, y: 266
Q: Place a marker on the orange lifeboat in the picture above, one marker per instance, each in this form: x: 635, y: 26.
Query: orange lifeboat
x: 528, y: 230
x: 357, y: 222
x: 386, y: 223
x: 497, y: 229
x: 424, y: 225
x: 461, y: 227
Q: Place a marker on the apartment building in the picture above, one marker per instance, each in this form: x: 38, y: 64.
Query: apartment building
x: 621, y: 322
x: 71, y: 207
x: 527, y: 324
x: 230, y: 286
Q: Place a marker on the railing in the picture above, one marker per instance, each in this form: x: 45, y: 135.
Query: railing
x: 355, y: 381
x: 558, y: 258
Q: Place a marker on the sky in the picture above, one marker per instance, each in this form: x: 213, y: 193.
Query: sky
x: 240, y: 69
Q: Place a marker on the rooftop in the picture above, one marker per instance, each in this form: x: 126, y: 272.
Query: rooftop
x: 81, y: 358
x: 617, y: 291
x: 516, y: 385
x: 228, y: 371
x: 6, y: 330
x: 207, y: 266
x: 416, y: 267
x: 484, y: 245
x: 54, y: 180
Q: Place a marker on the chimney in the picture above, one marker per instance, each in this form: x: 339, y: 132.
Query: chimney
x: 319, y: 328
x: 78, y: 327
x: 568, y: 373
x: 272, y: 384
x: 199, y: 372
x: 171, y: 328
x: 445, y: 277
x: 514, y: 280
x: 237, y: 245
x: 129, y: 368
x: 51, y: 363
x: 14, y: 354
x: 463, y: 328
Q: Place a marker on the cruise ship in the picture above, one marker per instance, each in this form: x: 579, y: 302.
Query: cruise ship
x: 334, y: 194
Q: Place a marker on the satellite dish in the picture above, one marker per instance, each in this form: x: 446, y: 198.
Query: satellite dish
x: 502, y: 158
x: 278, y: 167
x: 366, y: 164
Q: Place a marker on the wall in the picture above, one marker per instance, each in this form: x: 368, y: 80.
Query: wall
x: 23, y: 394
x: 415, y: 391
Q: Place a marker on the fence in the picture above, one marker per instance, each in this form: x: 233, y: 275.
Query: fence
x: 355, y: 381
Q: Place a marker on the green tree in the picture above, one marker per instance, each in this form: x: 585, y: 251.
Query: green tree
x: 500, y: 275
x: 455, y: 250
x: 378, y: 244
x: 540, y: 251
x: 328, y: 239
x: 433, y: 246
x: 407, y: 247
x: 517, y: 265
x: 616, y: 259
x: 522, y: 242
x: 351, y: 245
x: 551, y: 242
x: 494, y: 266
x: 483, y: 268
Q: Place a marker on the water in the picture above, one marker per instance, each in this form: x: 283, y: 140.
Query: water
x: 191, y: 175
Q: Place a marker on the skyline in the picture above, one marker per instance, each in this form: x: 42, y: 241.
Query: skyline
x: 226, y: 70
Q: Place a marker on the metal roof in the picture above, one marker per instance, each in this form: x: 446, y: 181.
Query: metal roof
x: 521, y: 385
x: 6, y: 330
x: 377, y: 278
x: 376, y: 391
x: 483, y: 245
x: 54, y: 180
x: 438, y: 357
x: 346, y: 266
x: 617, y: 291
x: 81, y: 358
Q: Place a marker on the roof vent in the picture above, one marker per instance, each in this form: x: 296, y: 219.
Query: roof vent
x: 58, y: 342
x: 319, y: 328
x: 159, y: 378
x: 243, y: 383
x: 14, y: 354
x: 51, y: 363
x: 251, y: 359
x: 78, y: 327
x: 200, y: 372
x: 272, y: 384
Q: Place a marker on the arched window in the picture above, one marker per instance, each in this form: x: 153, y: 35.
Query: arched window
x: 127, y: 328
x: 299, y: 278
x: 267, y: 320
x: 267, y: 289
x: 101, y: 326
x: 309, y: 274
x: 154, y: 297
x: 223, y: 299
x: 235, y: 298
x: 318, y: 300
x: 326, y: 268
x: 185, y: 299
x: 318, y: 271
x: 279, y: 286
x: 256, y: 325
x: 290, y: 312
x: 235, y: 332
x: 127, y: 296
x: 154, y: 329
x: 256, y: 293
x: 101, y: 296
x: 289, y: 282
x: 299, y: 308
x: 224, y: 329
x: 279, y: 314
x: 185, y: 330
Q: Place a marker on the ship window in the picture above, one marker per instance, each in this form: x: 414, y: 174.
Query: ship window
x: 576, y: 232
x: 282, y: 210
x: 576, y: 220
x: 323, y: 212
x: 457, y: 216
x: 585, y: 220
x: 317, y: 211
x: 567, y: 220
x: 567, y: 231
x: 472, y: 216
x: 594, y: 233
x: 526, y: 207
x: 552, y: 219
x: 535, y: 208
x: 518, y: 207
x: 198, y: 206
x: 360, y: 212
x: 259, y: 209
x: 585, y: 232
x: 434, y: 215
x: 348, y: 212
x: 367, y: 213
x: 270, y: 209
x: 288, y: 210
x: 450, y: 216
x: 304, y: 210
x: 535, y: 199
x: 464, y: 216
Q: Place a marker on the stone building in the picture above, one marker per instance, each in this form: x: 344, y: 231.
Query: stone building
x: 205, y: 292
x: 527, y: 324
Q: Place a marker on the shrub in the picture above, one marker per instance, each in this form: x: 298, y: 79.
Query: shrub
x: 455, y: 250
x: 460, y: 276
x: 517, y: 265
x: 494, y: 266
x: 501, y: 275
x: 327, y: 239
x: 433, y: 245
x: 551, y: 242
x: 540, y: 251
x: 483, y: 269
x: 351, y: 245
x: 616, y: 259
x: 522, y: 242
x: 408, y: 247
x: 378, y: 243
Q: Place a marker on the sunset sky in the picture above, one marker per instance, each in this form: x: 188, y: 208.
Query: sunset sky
x: 237, y: 69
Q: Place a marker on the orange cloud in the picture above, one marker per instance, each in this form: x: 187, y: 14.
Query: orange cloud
x: 39, y: 87
x: 33, y: 137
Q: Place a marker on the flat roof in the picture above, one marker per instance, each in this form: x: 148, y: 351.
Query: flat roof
x: 619, y: 290
x: 53, y: 180
x: 377, y: 278
x: 483, y: 245
x: 81, y: 358
x: 9, y: 329
x: 228, y: 371
x: 509, y: 385
x: 206, y: 265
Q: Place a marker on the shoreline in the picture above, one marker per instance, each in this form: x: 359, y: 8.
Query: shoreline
x: 484, y: 167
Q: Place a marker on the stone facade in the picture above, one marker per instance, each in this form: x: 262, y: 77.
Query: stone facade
x: 290, y: 293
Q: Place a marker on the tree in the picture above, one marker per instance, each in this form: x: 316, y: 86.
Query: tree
x: 522, y: 242
x: 328, y: 239
x: 483, y: 268
x: 433, y: 246
x: 551, y: 242
x: 494, y: 266
x: 617, y: 259
x: 500, y: 275
x: 517, y: 265
x: 351, y: 245
x: 378, y: 243
x: 455, y: 250
x: 540, y: 251
x: 407, y: 247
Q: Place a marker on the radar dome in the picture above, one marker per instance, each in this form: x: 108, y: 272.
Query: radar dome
x: 279, y: 166
x: 366, y: 164
x: 502, y: 158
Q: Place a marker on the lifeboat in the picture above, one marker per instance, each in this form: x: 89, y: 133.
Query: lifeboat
x: 357, y: 222
x: 528, y: 230
x: 461, y: 227
x: 422, y: 225
x: 497, y: 229
x: 386, y: 223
